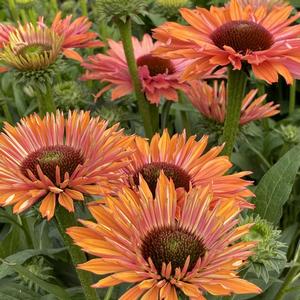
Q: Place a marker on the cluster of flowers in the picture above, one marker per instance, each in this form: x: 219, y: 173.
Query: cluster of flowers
x: 182, y: 59
x: 168, y: 216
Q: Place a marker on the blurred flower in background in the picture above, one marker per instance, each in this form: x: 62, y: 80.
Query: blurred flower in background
x: 267, y: 3
x: 211, y: 102
x: 159, y: 76
x: 170, y: 8
x: 30, y: 48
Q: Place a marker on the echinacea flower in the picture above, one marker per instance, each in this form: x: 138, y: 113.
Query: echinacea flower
x: 185, y: 161
x: 267, y: 3
x: 5, y: 30
x: 76, y: 34
x: 31, y: 48
x: 57, y: 159
x: 139, y: 240
x: 159, y: 76
x: 234, y: 35
x: 211, y: 102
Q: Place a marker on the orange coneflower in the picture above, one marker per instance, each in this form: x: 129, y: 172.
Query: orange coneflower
x: 211, y: 102
x: 57, y: 159
x: 139, y: 239
x: 235, y: 35
x: 186, y: 163
x: 29, y: 48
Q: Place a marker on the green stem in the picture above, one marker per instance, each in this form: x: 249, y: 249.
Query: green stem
x: 7, y: 113
x: 54, y: 4
x: 23, y: 16
x: 292, y: 102
x: 45, y: 100
x: 84, y: 9
x: 143, y: 105
x: 65, y: 220
x: 201, y: 3
x: 289, y: 277
x: 236, y: 86
x: 13, y: 10
x: 184, y: 114
x: 165, y: 114
x: 109, y: 293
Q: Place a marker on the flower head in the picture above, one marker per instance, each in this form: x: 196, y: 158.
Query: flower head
x: 31, y: 48
x: 170, y: 8
x: 60, y: 159
x: 267, y: 3
x: 75, y: 34
x: 185, y: 162
x: 268, y: 254
x: 159, y: 76
x: 5, y: 30
x: 235, y: 35
x: 139, y: 239
x: 119, y: 10
x: 211, y: 102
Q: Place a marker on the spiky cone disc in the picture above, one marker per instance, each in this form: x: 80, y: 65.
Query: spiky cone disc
x: 31, y: 48
x: 120, y: 10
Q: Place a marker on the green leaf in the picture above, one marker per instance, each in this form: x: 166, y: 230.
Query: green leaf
x: 22, y: 256
x: 276, y: 185
x: 12, y: 291
x: 56, y: 290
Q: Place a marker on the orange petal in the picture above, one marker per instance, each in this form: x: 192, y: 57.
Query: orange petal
x: 47, y: 207
x: 66, y: 201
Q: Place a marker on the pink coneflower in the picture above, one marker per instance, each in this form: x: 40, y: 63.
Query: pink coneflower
x: 76, y: 34
x: 159, y: 76
x: 267, y: 3
x: 211, y: 102
x: 55, y: 159
x: 234, y: 35
x: 139, y: 240
x: 5, y: 30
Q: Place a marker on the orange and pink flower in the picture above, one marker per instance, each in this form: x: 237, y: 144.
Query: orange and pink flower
x: 74, y: 34
x: 267, y: 3
x: 138, y: 239
x: 235, y: 35
x: 186, y: 162
x: 159, y: 76
x: 57, y: 159
x: 211, y: 102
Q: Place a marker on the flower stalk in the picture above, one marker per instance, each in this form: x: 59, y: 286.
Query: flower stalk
x: 292, y: 100
x: 45, y: 100
x: 236, y: 86
x: 65, y: 220
x: 84, y: 9
x: 290, y: 277
x: 184, y: 114
x: 143, y: 104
